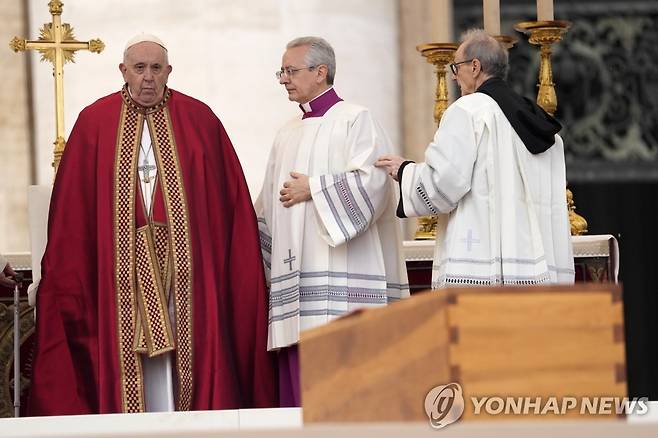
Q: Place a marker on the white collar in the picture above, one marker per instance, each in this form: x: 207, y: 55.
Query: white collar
x: 306, y: 107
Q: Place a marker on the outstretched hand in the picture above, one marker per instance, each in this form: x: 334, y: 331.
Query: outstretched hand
x: 390, y: 163
x: 295, y: 190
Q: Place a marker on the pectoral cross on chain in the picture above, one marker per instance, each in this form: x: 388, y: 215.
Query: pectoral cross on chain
x: 146, y: 169
x: 291, y: 258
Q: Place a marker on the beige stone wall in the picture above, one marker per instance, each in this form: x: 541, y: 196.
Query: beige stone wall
x: 406, y: 112
x: 421, y: 21
x: 14, y: 128
x: 225, y: 53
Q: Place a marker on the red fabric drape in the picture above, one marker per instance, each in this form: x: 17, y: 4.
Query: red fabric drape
x: 76, y: 368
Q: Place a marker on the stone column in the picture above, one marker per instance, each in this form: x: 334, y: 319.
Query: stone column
x: 421, y: 21
x: 15, y: 172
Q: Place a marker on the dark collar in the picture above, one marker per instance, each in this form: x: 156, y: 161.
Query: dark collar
x: 321, y: 104
x: 535, y: 127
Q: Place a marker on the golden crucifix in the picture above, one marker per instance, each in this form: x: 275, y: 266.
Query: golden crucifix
x: 57, y: 44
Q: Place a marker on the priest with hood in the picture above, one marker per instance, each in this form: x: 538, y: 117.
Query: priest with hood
x: 153, y: 294
x: 496, y: 169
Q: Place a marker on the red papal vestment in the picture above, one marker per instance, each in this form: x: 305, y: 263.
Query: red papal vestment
x: 99, y: 304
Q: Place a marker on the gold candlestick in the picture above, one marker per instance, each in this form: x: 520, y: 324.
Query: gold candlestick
x: 544, y: 34
x: 506, y: 40
x: 439, y: 55
x: 577, y: 222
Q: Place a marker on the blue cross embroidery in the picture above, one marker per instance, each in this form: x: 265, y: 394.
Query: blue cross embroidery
x: 290, y: 258
x: 470, y: 241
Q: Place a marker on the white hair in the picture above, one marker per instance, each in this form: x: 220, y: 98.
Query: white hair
x: 493, y: 57
x: 319, y: 52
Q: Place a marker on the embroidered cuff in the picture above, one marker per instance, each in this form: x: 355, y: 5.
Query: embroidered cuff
x: 400, y: 210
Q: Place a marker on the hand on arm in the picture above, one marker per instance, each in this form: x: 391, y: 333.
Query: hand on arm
x: 295, y: 190
x: 5, y: 276
x: 391, y: 164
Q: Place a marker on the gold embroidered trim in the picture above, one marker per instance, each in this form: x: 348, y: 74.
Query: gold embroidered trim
x: 160, y: 239
x: 140, y: 338
x: 162, y: 252
x: 151, y: 298
x: 169, y: 169
x: 143, y: 109
x: 130, y: 366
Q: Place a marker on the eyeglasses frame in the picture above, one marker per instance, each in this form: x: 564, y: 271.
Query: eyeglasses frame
x: 453, y: 66
x: 289, y: 71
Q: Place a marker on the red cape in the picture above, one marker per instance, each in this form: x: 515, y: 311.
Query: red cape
x: 76, y: 367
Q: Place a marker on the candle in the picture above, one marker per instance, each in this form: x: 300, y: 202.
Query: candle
x: 491, y: 17
x: 545, y: 10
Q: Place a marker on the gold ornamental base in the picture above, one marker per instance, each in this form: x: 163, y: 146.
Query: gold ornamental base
x: 426, y: 229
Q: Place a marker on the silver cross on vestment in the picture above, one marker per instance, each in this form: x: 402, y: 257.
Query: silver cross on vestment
x: 146, y: 169
x: 291, y: 258
x: 469, y: 241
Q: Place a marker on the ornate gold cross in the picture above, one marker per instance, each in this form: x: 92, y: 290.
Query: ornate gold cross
x: 57, y: 44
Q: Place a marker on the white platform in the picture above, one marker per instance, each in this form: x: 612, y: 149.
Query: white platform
x: 195, y: 423
x: 256, y: 423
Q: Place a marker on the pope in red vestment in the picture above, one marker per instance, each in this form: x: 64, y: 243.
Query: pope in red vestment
x: 121, y: 282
